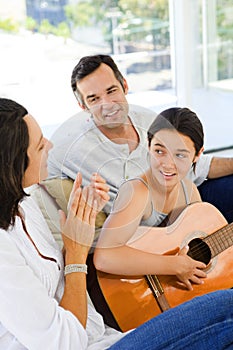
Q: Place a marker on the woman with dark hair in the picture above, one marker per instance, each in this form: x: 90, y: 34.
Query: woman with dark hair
x: 14, y: 161
x: 39, y: 308
x: 134, y: 245
x: 43, y: 304
x: 175, y: 141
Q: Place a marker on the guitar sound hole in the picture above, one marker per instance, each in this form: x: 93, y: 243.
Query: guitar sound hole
x: 199, y: 250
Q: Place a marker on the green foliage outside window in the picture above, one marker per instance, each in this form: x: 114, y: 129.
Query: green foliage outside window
x: 9, y: 25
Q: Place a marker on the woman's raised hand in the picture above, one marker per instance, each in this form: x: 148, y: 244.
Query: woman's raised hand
x: 78, y: 227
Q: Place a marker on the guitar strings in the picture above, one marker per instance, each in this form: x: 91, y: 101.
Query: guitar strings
x: 217, y: 241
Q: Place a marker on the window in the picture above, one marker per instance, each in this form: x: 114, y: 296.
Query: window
x: 171, y: 53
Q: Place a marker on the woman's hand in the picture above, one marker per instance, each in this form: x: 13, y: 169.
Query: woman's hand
x: 79, y: 226
x: 189, y: 270
x: 100, y: 190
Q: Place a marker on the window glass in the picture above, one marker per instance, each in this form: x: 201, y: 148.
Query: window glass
x: 171, y: 53
x: 219, y: 39
x: 212, y: 94
x: 41, y: 42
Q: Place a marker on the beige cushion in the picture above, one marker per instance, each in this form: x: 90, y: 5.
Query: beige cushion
x: 60, y: 190
x: 49, y: 209
x: 53, y: 194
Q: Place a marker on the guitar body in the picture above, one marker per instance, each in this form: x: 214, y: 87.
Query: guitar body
x: 130, y: 298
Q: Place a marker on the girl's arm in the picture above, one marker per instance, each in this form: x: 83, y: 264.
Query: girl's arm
x: 131, y: 205
x: 129, y: 261
x: 112, y: 255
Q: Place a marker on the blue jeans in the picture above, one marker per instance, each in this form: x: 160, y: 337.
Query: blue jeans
x: 219, y: 192
x: 203, y: 323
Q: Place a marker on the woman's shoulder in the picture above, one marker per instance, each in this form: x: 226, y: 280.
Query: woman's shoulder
x: 29, y: 204
x: 132, y: 191
x: 139, y: 181
x: 134, y: 186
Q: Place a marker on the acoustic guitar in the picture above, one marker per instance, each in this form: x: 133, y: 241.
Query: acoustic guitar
x: 135, y: 299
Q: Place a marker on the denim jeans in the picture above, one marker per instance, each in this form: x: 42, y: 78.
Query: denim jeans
x: 219, y: 192
x: 203, y: 323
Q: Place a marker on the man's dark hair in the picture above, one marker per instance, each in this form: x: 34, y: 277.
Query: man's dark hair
x: 14, y: 142
x: 89, y: 64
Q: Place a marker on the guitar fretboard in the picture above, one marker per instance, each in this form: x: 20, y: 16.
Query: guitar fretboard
x: 220, y: 240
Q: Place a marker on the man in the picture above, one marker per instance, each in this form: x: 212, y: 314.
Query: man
x: 110, y: 137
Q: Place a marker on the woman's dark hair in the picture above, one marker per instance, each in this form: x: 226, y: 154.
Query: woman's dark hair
x: 14, y: 142
x: 181, y: 119
x: 89, y: 64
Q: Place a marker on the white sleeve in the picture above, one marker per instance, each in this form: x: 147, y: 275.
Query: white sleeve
x: 201, y: 170
x: 28, y: 312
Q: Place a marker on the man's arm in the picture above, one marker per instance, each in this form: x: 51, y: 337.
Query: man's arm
x: 220, y: 166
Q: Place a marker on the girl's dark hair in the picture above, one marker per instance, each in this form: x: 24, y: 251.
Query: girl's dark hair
x: 14, y: 142
x: 89, y: 64
x: 181, y: 119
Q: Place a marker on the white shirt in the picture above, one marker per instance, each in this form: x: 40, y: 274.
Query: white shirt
x: 80, y: 146
x: 31, y: 288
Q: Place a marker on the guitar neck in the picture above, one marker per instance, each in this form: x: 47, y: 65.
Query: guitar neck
x: 220, y: 240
